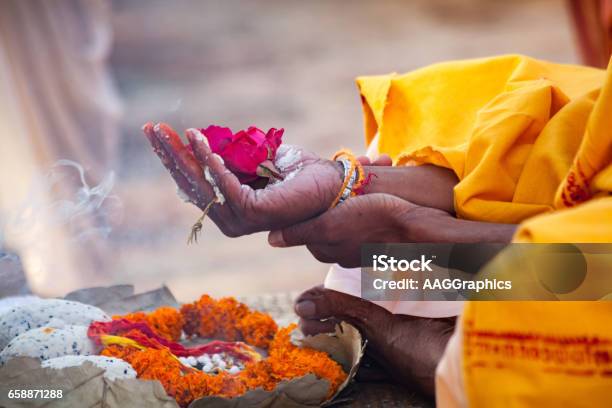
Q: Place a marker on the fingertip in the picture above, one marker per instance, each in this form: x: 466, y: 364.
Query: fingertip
x: 191, y: 134
x: 306, y: 309
x: 169, y: 138
x: 164, y: 127
x: 162, y: 131
x: 276, y: 239
x: 147, y: 127
x: 158, y: 134
x: 363, y: 160
x: 384, y: 160
x: 149, y: 133
x: 196, y: 135
x: 167, y: 134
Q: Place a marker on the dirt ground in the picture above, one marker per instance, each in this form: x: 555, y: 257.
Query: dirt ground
x: 275, y: 63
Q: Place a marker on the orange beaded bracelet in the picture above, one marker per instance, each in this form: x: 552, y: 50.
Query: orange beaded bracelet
x: 354, y: 176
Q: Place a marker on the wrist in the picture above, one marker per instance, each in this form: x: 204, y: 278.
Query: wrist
x: 425, y: 224
x: 336, y: 170
x: 425, y: 185
x: 400, y: 221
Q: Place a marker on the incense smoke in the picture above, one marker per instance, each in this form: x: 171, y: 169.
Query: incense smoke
x: 62, y: 225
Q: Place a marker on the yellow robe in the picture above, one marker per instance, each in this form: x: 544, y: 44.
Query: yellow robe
x: 531, y: 143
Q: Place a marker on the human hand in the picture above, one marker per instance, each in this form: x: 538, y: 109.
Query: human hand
x: 337, y: 235
x: 310, y: 183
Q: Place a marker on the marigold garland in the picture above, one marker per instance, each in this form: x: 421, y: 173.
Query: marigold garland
x: 227, y: 319
x: 165, y: 321
x: 257, y: 329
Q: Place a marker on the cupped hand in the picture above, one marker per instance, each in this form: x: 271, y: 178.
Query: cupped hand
x: 336, y: 236
x: 309, y: 187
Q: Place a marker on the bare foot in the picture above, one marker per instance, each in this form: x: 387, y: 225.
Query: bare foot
x: 407, y: 347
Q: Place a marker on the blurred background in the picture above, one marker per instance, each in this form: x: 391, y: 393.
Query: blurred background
x: 79, y: 78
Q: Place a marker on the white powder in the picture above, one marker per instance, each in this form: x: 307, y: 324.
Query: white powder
x: 199, y: 136
x: 219, y: 157
x: 48, y: 342
x: 211, y: 180
x: 292, y: 174
x: 45, y: 312
x: 287, y: 156
x: 288, y: 176
x: 183, y: 195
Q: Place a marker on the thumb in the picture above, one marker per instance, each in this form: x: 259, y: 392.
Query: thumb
x: 299, y: 234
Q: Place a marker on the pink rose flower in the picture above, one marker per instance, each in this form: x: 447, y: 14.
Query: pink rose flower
x: 249, y: 154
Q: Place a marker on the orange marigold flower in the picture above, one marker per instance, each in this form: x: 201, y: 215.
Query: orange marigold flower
x: 257, y: 329
x: 193, y: 315
x: 227, y: 313
x: 165, y: 321
x: 121, y: 352
x: 290, y: 361
x: 133, y: 317
x: 228, y: 385
x: 191, y: 387
x: 258, y: 374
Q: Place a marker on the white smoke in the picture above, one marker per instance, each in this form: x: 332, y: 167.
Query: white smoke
x: 64, y: 198
x: 61, y: 226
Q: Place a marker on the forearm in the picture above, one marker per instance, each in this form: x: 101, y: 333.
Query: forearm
x: 476, y: 231
x: 426, y: 185
x: 430, y: 225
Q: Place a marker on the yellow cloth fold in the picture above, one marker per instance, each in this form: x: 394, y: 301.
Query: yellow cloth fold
x: 538, y: 354
x: 505, y: 125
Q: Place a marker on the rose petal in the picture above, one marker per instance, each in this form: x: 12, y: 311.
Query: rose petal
x: 256, y: 135
x: 243, y: 156
x: 243, y: 137
x: 218, y: 137
x: 274, y: 138
x: 244, y: 151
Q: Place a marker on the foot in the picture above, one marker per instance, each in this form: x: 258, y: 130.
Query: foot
x: 408, y: 348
